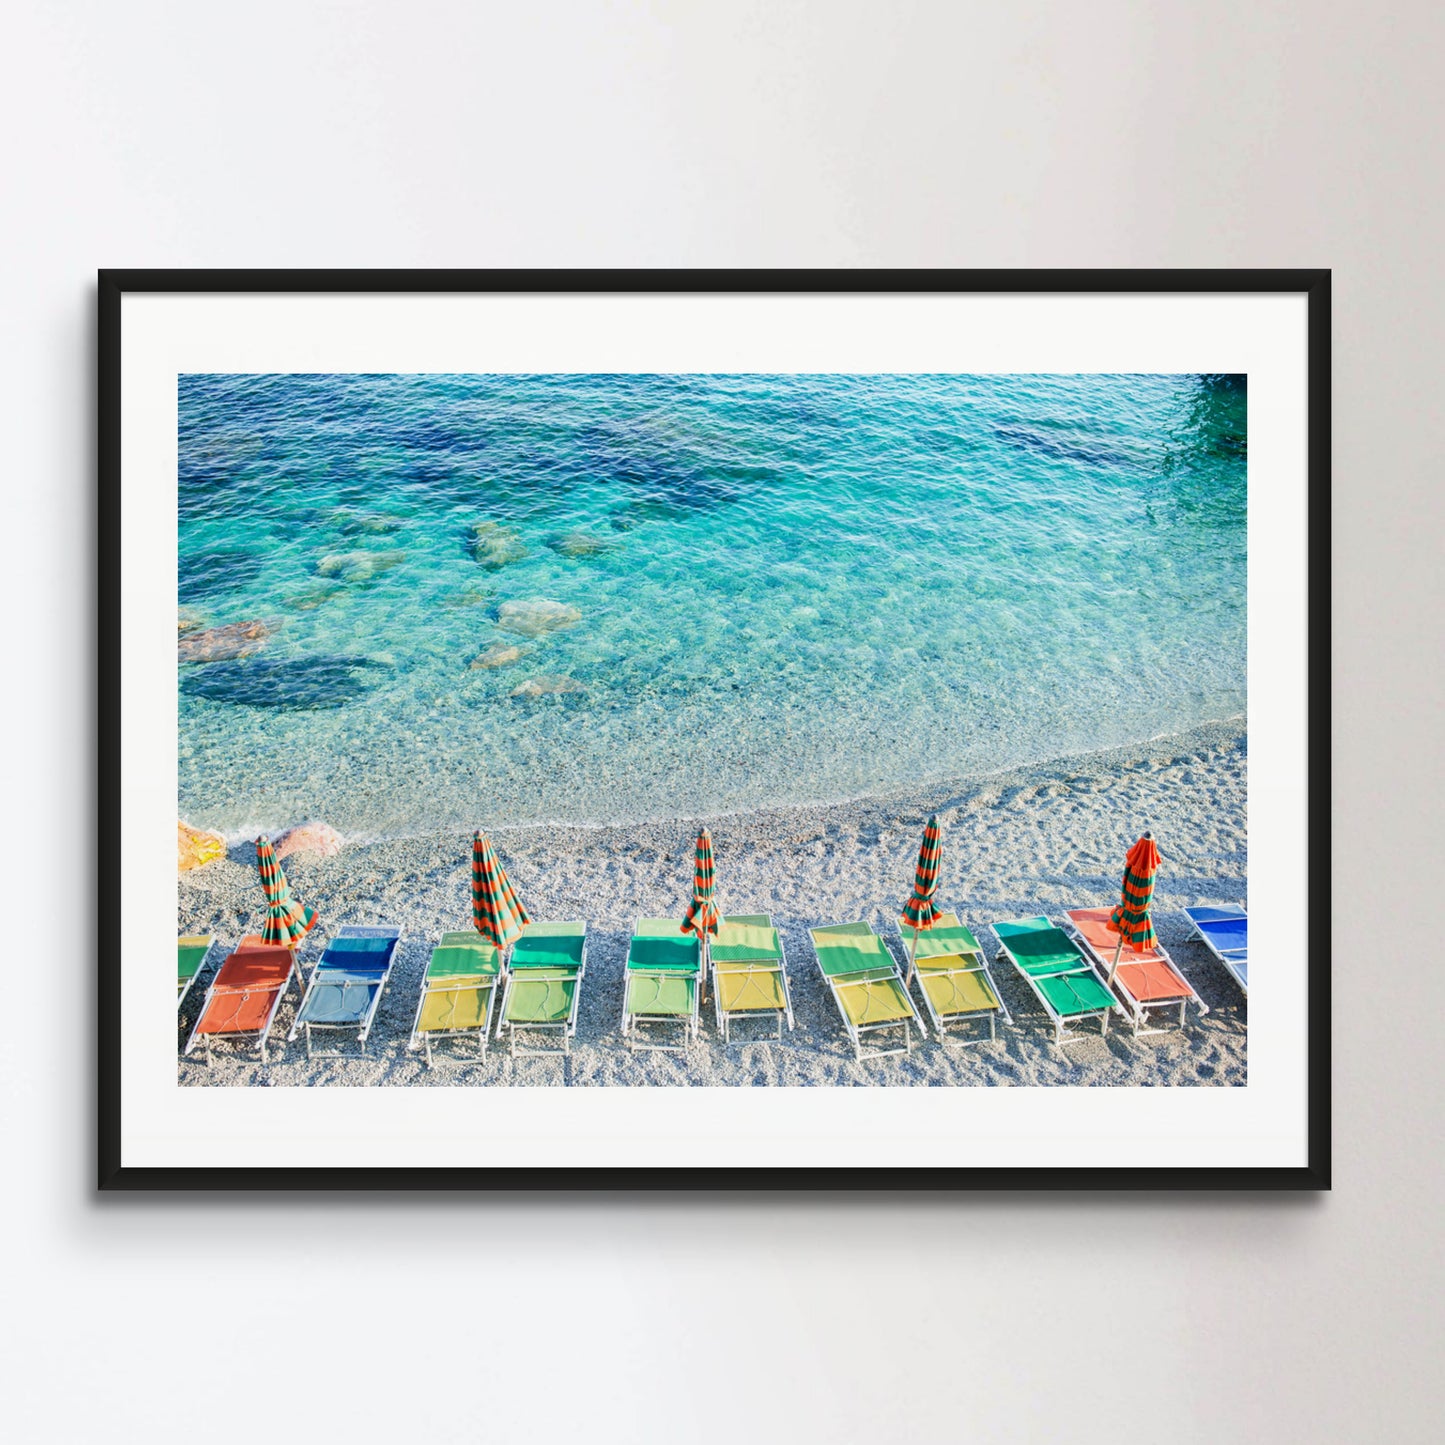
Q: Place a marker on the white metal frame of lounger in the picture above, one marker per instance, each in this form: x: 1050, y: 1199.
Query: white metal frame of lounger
x: 724, y: 1016
x: 484, y: 1029
x: 692, y: 1022
x: 1231, y: 965
x: 277, y: 994
x: 201, y: 967
x: 363, y: 930
x: 1137, y: 1009
x: 856, y: 1031
x: 1063, y: 1034
x: 940, y: 1021
x: 567, y: 1029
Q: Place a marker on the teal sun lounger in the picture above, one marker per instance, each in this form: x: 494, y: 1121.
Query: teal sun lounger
x: 1060, y: 975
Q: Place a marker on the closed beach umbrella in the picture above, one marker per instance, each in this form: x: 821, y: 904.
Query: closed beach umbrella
x: 920, y: 912
x: 1131, y: 919
x: 702, y: 916
x: 497, y: 912
x: 287, y: 921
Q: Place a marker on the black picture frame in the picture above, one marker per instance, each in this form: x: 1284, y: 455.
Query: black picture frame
x: 1312, y: 284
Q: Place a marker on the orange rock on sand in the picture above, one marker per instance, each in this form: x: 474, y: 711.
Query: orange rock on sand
x: 195, y: 847
x: 316, y: 838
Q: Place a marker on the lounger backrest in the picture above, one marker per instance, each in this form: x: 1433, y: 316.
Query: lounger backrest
x: 851, y: 949
x: 548, y: 950
x: 651, y: 953
x: 746, y: 939
x: 1038, y: 946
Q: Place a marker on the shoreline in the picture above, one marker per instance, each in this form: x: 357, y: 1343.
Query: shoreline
x: 1017, y: 842
x: 1201, y: 734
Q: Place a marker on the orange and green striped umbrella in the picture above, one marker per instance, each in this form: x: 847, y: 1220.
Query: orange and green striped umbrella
x: 1131, y: 920
x: 702, y: 915
x: 920, y: 910
x: 497, y: 912
x: 287, y: 921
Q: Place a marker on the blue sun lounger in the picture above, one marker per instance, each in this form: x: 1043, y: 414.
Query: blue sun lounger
x: 345, y: 988
x: 1225, y: 933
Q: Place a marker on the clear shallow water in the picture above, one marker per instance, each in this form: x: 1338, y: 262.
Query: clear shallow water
x: 792, y: 589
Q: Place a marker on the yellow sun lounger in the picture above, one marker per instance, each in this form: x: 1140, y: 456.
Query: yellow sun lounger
x: 954, y: 979
x: 749, y: 973
x: 457, y: 992
x: 864, y: 979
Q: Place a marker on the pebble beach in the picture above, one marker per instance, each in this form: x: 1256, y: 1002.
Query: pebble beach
x: 1028, y: 841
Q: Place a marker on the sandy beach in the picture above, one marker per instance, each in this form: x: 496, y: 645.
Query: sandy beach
x: 1037, y: 840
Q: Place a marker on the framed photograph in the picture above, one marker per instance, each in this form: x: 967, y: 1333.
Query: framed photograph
x: 719, y: 730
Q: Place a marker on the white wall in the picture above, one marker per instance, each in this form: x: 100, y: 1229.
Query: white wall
x: 758, y: 132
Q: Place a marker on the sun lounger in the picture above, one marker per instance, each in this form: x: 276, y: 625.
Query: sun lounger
x: 191, y: 954
x: 749, y: 973
x: 1148, y: 982
x: 346, y: 985
x: 1225, y: 933
x: 866, y: 984
x: 662, y: 983
x: 244, y: 995
x: 955, y: 981
x: 457, y: 992
x: 544, y: 984
x: 1059, y: 973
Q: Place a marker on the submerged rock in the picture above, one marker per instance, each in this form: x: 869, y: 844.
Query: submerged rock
x: 318, y: 838
x: 358, y: 566
x: 467, y: 597
x: 195, y: 847
x: 315, y: 597
x: 284, y: 683
x: 498, y: 655
x: 364, y: 524
x: 217, y: 644
x: 188, y: 622
x: 535, y: 616
x: 494, y: 545
x: 580, y: 544
x: 547, y: 685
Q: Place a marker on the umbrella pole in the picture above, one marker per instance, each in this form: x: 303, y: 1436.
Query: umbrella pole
x: 1118, y: 952
x: 912, y: 957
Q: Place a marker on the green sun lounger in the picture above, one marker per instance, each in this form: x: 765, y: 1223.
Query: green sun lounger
x: 954, y: 979
x: 864, y: 979
x: 1056, y: 969
x: 457, y: 992
x: 544, y: 984
x: 662, y: 983
x: 191, y: 954
x: 749, y: 973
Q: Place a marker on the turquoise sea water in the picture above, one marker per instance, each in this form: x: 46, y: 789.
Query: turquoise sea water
x: 787, y: 588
